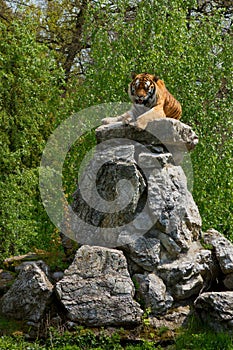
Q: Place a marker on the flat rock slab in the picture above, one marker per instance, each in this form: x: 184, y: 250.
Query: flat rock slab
x: 96, y: 289
x: 165, y: 131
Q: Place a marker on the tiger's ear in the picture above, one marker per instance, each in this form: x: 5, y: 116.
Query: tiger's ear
x: 155, y: 78
x: 133, y: 75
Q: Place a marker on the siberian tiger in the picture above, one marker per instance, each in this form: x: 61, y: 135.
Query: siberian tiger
x: 151, y: 100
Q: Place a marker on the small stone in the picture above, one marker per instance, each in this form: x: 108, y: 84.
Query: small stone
x: 188, y: 288
x: 189, y: 273
x: 145, y: 252
x: 151, y: 291
x: 228, y: 281
x: 173, y: 319
x: 223, y: 249
x: 57, y: 276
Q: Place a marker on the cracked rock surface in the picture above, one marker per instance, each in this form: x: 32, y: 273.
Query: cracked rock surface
x: 97, y: 290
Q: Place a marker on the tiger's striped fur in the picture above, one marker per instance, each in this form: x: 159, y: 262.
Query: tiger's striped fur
x: 172, y: 107
x: 150, y: 100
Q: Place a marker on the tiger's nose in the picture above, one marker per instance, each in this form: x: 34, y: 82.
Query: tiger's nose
x: 141, y: 93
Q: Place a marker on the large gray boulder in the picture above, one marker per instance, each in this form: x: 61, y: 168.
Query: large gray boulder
x: 178, y: 221
x: 109, y: 195
x: 96, y: 289
x: 134, y: 195
x: 134, y: 186
x: 29, y: 295
x: 160, y: 224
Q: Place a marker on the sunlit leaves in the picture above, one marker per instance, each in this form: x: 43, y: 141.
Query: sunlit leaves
x: 192, y: 53
x: 30, y: 96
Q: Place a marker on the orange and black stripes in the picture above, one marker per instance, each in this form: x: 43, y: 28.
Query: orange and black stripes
x: 172, y: 107
x: 150, y: 91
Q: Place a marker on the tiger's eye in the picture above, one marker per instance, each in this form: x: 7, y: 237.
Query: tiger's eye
x: 147, y: 85
x: 137, y: 83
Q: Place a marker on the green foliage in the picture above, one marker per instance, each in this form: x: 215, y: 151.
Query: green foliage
x: 84, y: 338
x: 18, y: 343
x: 192, y: 53
x: 199, y: 336
x: 145, y: 317
x: 29, y: 95
x: 73, y: 160
x: 9, y: 326
x: 204, y: 341
x: 143, y: 346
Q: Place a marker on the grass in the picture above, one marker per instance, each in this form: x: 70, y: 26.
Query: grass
x: 9, y: 326
x: 83, y: 339
x: 199, y: 337
x: 204, y: 341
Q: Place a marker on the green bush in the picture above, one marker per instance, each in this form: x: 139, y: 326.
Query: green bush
x: 29, y: 95
x: 193, y: 54
x: 83, y: 338
x: 18, y: 343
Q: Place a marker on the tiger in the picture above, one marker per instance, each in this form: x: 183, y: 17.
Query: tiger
x: 150, y: 100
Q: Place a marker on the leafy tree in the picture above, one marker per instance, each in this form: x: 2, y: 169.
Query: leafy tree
x: 98, y: 44
x: 65, y: 26
x: 30, y: 98
x: 191, y: 51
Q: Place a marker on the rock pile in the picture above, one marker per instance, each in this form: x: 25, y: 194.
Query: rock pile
x: 147, y: 254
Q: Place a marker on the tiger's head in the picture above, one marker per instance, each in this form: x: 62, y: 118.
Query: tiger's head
x: 142, y: 89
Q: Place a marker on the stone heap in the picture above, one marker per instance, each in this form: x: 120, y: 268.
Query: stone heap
x: 149, y: 254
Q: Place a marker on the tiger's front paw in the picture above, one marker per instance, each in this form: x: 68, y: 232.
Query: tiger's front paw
x: 140, y: 124
x: 127, y: 119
